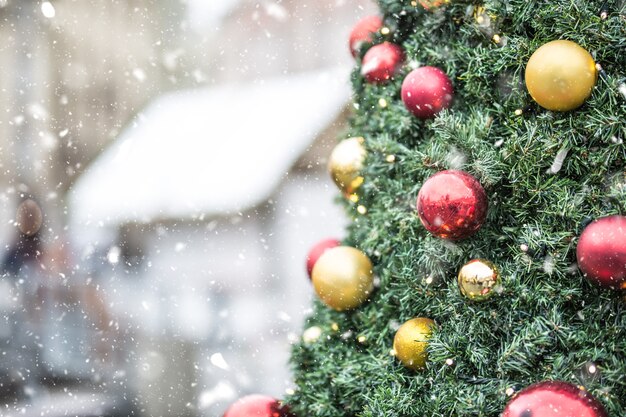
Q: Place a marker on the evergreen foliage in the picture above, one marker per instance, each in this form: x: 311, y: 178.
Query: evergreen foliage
x: 548, y: 322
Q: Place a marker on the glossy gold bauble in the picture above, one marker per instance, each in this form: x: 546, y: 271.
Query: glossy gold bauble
x: 410, y: 343
x: 345, y: 164
x: 343, y: 277
x: 478, y: 279
x: 561, y: 75
x: 431, y: 4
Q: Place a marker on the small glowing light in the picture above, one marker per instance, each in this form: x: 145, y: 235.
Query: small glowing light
x: 361, y: 339
x: 622, y: 89
x: 391, y: 158
x: 382, y: 102
x: 429, y: 280
x: 48, y: 9
x: 361, y: 209
x: 510, y: 391
x: 592, y: 369
x: 334, y: 326
x: 519, y: 112
x: 290, y: 391
x: 482, y: 17
x: 604, y: 15
x: 598, y: 67
x: 354, y: 198
x: 392, y: 352
x: 496, y: 38
x: 523, y: 247
x: 385, y: 30
x: 449, y: 362
x: 311, y: 334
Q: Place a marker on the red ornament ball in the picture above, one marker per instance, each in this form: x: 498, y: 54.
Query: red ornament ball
x: 257, y: 406
x: 601, y: 252
x: 317, y: 250
x: 361, y: 33
x: 426, y: 91
x: 382, y: 62
x: 554, y: 398
x: 452, y: 205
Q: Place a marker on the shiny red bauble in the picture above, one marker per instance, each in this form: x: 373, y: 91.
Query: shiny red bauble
x: 601, y: 252
x: 317, y: 250
x: 426, y: 91
x: 452, y: 205
x: 361, y: 33
x: 552, y: 399
x: 381, y: 62
x: 257, y: 406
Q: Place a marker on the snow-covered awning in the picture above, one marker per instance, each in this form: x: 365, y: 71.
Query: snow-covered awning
x: 203, y: 14
x: 208, y: 151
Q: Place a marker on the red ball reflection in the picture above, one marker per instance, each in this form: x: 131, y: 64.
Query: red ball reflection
x: 362, y: 33
x: 382, y: 62
x: 601, y: 252
x: 554, y: 398
x: 257, y: 406
x: 452, y: 205
x: 426, y: 91
x: 317, y: 250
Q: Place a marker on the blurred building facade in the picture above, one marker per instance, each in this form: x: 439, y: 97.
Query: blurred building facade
x: 212, y: 282
x: 76, y: 77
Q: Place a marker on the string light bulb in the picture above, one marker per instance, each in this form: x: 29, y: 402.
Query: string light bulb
x: 604, y: 10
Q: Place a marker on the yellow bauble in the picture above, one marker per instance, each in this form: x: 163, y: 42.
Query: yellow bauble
x: 345, y: 164
x: 431, y: 4
x: 343, y: 278
x: 410, y: 343
x: 478, y: 279
x: 560, y: 75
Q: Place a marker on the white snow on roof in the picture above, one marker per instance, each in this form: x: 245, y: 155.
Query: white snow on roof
x: 208, y: 151
x: 205, y: 14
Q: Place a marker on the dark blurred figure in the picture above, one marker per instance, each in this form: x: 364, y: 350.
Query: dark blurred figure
x: 55, y: 329
x: 18, y: 363
x: 27, y: 246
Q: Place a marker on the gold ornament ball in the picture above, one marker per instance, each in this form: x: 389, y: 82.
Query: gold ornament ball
x: 478, y: 279
x: 560, y: 75
x: 431, y: 4
x: 343, y: 278
x: 410, y: 343
x: 345, y: 164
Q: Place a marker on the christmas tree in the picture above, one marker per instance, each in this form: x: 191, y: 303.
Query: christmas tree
x: 505, y: 121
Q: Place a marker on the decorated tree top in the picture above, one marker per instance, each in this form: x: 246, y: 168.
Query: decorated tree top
x: 523, y: 102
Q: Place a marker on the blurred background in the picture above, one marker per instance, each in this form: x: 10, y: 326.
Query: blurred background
x: 163, y: 177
